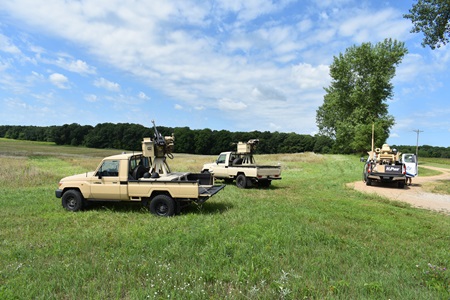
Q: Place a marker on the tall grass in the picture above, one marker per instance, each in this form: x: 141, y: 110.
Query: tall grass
x: 306, y: 237
x: 437, y: 162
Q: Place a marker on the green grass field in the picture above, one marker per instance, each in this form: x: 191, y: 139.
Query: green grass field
x: 440, y: 186
x: 306, y: 237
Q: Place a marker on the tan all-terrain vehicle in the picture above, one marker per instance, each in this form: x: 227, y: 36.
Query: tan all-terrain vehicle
x: 139, y: 177
x: 385, y: 165
x: 240, y: 166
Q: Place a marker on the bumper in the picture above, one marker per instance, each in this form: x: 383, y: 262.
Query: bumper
x: 385, y: 177
x: 58, y: 193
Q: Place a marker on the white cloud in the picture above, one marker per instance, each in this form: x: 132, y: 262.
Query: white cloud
x: 442, y: 55
x: 4, y: 65
x: 59, y: 80
x: 178, y: 107
x: 247, y: 10
x: 274, y: 126
x: 309, y: 77
x: 267, y: 93
x: 143, y: 96
x: 367, y: 26
x: 106, y: 84
x: 228, y: 104
x: 7, y: 46
x: 412, y: 65
x: 91, y: 98
x: 76, y: 66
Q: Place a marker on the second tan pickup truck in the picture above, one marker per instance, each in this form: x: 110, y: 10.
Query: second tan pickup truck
x: 241, y: 167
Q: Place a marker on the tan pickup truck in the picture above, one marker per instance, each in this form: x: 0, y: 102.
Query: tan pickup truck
x: 241, y: 166
x: 141, y: 177
x: 385, y: 166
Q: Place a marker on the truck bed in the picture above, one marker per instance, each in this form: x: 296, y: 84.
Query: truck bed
x: 194, y: 186
x: 200, y: 178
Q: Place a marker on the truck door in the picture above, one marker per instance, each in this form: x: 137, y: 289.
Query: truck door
x: 410, y: 162
x: 222, y: 165
x: 106, y: 184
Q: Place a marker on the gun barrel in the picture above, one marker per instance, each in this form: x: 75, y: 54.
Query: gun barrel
x: 158, y: 137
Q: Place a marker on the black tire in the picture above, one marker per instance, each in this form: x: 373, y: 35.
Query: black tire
x: 162, y: 205
x: 249, y: 183
x: 368, y: 182
x: 366, y: 166
x: 401, y: 184
x: 72, y: 200
x: 241, y: 181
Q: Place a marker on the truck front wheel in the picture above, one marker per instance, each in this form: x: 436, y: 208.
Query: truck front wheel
x: 72, y: 200
x: 241, y: 181
x: 162, y: 205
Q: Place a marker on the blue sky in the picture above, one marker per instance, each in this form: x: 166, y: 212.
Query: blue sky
x: 238, y: 65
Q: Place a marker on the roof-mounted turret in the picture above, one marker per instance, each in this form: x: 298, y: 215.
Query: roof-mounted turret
x: 247, y: 147
x: 157, y: 149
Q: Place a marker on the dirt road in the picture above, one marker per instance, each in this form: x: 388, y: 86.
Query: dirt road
x: 413, y: 194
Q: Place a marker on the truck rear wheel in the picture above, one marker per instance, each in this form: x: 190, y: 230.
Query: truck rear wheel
x: 162, y: 205
x: 72, y: 200
x: 241, y: 181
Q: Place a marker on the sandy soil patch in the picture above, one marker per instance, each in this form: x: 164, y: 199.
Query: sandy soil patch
x: 412, y: 194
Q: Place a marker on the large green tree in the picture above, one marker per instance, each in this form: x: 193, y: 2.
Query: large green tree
x: 356, y: 98
x: 431, y: 17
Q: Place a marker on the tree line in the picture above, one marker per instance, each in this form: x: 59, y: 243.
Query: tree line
x: 425, y: 150
x: 194, y: 141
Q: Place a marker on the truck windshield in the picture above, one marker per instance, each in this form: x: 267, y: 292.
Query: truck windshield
x: 221, y: 159
x: 109, y: 168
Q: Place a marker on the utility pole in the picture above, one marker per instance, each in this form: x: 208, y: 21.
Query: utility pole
x: 417, y: 143
x: 417, y: 150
